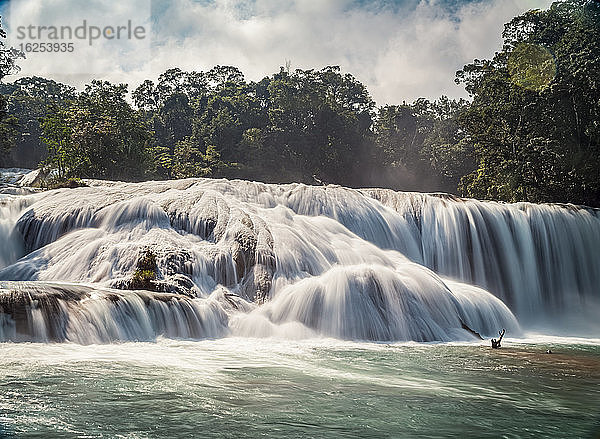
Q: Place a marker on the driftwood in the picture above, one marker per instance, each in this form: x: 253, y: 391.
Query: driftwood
x: 466, y: 328
x: 496, y: 343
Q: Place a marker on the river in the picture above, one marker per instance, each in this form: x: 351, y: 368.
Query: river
x: 293, y: 311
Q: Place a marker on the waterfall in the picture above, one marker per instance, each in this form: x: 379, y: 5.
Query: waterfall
x: 47, y: 312
x: 536, y: 258
x: 13, y: 201
x: 376, y: 303
x: 298, y: 260
x: 11, y: 248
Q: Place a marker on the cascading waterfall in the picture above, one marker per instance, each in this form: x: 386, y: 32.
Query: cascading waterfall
x: 12, y: 203
x: 61, y: 312
x: 378, y: 303
x: 12, y: 247
x: 254, y: 259
x: 536, y: 258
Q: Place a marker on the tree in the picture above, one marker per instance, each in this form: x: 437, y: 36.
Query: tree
x: 445, y: 146
x: 8, y: 123
x: 169, y: 107
x: 420, y: 146
x: 200, y: 117
x: 191, y: 161
x: 230, y: 110
x: 536, y: 105
x: 98, y: 135
x: 8, y: 56
x: 8, y: 132
x: 29, y: 100
x: 319, y: 122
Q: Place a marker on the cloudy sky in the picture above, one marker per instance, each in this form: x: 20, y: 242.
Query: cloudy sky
x: 401, y: 49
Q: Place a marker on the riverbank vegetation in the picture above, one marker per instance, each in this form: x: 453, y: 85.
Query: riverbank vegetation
x: 529, y: 131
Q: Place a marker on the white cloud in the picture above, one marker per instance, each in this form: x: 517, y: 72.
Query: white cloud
x: 400, y: 53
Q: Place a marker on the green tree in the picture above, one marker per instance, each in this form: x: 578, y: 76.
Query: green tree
x: 8, y: 123
x: 8, y: 56
x: 420, y: 146
x: 231, y: 109
x: 191, y: 161
x: 8, y: 132
x: 445, y: 147
x: 98, y: 135
x: 170, y: 107
x: 319, y: 123
x: 29, y: 100
x: 536, y: 105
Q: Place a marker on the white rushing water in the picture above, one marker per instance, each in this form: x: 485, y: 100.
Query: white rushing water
x: 251, y: 259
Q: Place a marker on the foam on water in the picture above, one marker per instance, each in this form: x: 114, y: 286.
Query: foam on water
x: 286, y: 388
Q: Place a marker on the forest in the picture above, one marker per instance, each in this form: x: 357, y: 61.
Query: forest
x: 529, y: 131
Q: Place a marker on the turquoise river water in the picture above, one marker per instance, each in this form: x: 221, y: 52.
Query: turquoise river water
x: 236, y: 387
